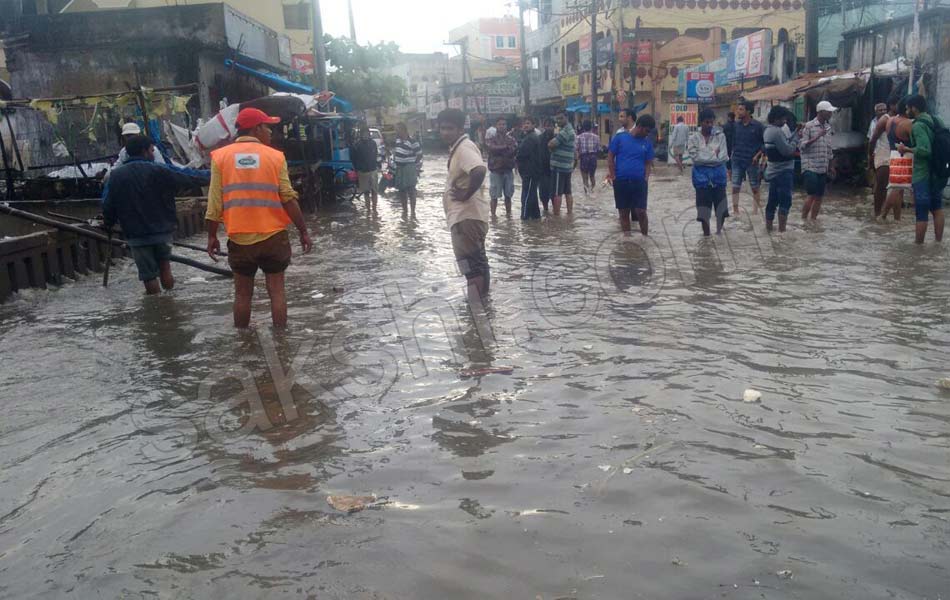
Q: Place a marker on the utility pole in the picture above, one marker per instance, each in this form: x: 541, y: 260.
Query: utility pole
x: 634, y: 61
x: 593, y: 63
x: 525, y: 80
x: 319, y: 50
x: 464, y: 44
x: 811, y: 36
x: 349, y: 4
x: 915, y: 41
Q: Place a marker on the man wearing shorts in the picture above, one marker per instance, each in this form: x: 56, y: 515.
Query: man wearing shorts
x: 365, y: 155
x: 141, y: 198
x: 747, y: 143
x: 251, y: 194
x: 588, y: 150
x: 928, y: 188
x: 562, y: 164
x: 816, y: 158
x: 629, y: 165
x: 466, y: 208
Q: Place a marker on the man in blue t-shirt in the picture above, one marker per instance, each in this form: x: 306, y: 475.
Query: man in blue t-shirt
x: 747, y: 147
x: 629, y: 165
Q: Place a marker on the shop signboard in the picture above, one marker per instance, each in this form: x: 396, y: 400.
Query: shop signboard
x: 748, y: 56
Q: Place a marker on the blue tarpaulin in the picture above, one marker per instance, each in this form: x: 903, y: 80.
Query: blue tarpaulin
x: 579, y: 106
x: 285, y: 85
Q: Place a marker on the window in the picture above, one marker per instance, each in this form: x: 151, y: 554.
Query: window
x: 297, y: 16
x: 499, y: 41
x: 512, y: 42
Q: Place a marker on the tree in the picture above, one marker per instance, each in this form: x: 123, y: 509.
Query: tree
x: 357, y: 73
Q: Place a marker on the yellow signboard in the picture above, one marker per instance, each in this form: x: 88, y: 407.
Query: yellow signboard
x: 570, y: 85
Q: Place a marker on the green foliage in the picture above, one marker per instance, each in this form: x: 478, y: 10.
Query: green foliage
x: 356, y: 73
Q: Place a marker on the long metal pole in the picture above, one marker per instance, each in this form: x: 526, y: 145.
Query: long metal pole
x: 464, y: 43
x: 319, y: 50
x: 593, y: 63
x: 14, y: 212
x: 811, y: 36
x: 915, y: 40
x: 349, y: 6
x: 525, y: 81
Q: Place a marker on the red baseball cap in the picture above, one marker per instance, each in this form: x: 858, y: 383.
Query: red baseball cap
x: 249, y: 118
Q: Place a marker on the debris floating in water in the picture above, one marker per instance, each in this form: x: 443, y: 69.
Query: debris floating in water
x: 751, y: 395
x: 786, y: 574
x: 604, y: 468
x: 486, y: 371
x: 350, y: 504
x: 944, y: 383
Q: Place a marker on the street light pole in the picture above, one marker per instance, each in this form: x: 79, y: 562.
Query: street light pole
x: 525, y: 81
x: 319, y: 50
x: 593, y: 62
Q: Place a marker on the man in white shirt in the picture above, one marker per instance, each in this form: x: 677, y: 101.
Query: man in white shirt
x: 466, y: 208
x: 129, y: 131
x: 679, y: 138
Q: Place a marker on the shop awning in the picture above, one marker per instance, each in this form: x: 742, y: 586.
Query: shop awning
x: 584, y: 109
x: 280, y: 84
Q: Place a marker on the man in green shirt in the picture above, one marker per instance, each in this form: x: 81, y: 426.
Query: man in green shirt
x: 562, y: 164
x: 928, y: 190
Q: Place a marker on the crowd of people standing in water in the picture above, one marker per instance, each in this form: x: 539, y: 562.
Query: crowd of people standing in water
x: 251, y: 194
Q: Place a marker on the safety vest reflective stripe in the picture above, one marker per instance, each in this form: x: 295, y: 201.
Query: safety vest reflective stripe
x: 251, y: 187
x: 255, y: 202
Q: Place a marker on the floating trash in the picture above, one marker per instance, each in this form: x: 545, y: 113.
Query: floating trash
x: 751, y: 395
x: 350, y: 504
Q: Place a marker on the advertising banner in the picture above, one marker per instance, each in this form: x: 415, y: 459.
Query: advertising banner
x: 700, y: 87
x: 605, y: 50
x: 748, y: 56
x: 570, y: 85
x: 303, y: 63
x: 585, y: 53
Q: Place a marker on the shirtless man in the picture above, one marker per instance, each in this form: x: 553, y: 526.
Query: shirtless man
x: 896, y: 127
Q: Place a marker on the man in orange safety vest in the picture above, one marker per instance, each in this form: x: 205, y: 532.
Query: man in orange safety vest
x: 251, y: 194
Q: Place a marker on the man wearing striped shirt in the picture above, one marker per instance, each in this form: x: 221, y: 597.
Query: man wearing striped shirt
x: 407, y: 158
x: 562, y: 164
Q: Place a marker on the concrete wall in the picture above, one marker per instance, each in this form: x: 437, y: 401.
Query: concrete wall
x: 98, y: 52
x: 859, y: 50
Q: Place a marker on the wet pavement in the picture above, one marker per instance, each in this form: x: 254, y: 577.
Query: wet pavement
x: 149, y: 450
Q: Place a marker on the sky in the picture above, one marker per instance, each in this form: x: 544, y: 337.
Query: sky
x: 416, y: 25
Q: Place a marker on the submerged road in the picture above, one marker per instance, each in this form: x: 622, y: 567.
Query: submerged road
x: 148, y: 450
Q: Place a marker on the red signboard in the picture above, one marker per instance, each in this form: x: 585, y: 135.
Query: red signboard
x: 303, y: 63
x: 643, y: 50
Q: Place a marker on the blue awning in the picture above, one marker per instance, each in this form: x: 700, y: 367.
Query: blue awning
x: 584, y: 109
x: 280, y: 84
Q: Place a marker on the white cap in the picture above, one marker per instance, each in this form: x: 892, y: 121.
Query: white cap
x: 131, y: 129
x: 824, y: 105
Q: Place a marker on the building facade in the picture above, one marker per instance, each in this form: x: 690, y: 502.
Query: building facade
x: 885, y: 42
x: 561, y: 53
x: 495, y: 39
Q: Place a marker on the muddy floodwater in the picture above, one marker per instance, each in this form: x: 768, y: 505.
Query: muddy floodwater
x: 148, y: 450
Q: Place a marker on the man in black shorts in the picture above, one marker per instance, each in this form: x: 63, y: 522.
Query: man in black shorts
x: 630, y: 164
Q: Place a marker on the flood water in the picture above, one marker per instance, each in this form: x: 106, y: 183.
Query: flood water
x: 148, y: 450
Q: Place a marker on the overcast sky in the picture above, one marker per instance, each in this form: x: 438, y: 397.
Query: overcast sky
x: 416, y: 25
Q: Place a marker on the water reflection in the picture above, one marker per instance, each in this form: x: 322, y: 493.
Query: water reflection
x: 146, y: 435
